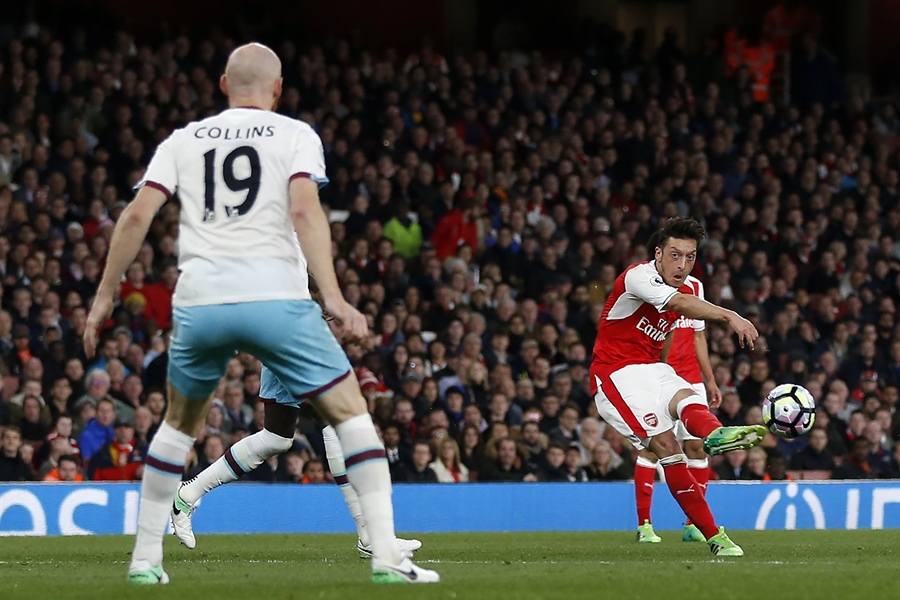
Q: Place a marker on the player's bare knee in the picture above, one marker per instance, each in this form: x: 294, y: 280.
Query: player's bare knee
x: 342, y: 402
x: 185, y: 414
x: 683, y: 398
x: 694, y: 450
x: 665, y: 445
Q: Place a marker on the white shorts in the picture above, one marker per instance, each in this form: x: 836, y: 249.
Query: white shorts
x: 635, y: 400
x: 681, y: 433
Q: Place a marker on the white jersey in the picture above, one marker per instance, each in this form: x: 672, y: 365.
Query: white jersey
x: 232, y: 172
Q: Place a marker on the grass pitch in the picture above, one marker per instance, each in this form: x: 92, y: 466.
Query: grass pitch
x: 568, y: 565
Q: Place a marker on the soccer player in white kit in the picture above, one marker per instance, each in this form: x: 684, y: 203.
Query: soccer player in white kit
x: 687, y: 352
x: 642, y: 397
x: 248, y: 182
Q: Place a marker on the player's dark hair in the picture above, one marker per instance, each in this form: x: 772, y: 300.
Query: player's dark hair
x: 679, y: 228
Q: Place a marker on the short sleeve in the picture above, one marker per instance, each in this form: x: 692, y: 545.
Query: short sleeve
x: 308, y: 158
x: 646, y: 283
x: 162, y: 173
x: 699, y: 324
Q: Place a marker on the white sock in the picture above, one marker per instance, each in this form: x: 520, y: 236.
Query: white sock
x: 368, y: 473
x: 162, y: 474
x: 335, y: 455
x: 241, y: 458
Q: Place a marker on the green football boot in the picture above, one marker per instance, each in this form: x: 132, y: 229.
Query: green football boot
x: 692, y: 534
x: 152, y: 576
x: 721, y: 545
x: 726, y: 439
x: 646, y: 535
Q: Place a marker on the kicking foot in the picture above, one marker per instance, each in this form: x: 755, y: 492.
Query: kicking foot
x: 692, y: 534
x: 405, y: 572
x: 646, y: 535
x: 721, y: 545
x: 139, y: 575
x: 726, y: 439
x: 182, y: 513
x: 407, y: 547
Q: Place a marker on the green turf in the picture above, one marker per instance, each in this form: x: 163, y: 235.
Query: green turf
x: 799, y: 564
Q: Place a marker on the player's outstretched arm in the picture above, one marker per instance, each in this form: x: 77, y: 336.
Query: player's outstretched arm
x: 314, y: 235
x: 127, y: 239
x: 695, y: 308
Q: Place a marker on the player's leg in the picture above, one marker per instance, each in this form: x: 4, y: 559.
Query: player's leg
x: 639, y: 395
x: 693, y: 411
x: 196, y: 363
x: 335, y: 456
x: 698, y: 465
x: 644, y: 476
x: 697, y: 462
x: 310, y: 363
x: 687, y: 492
x: 276, y: 437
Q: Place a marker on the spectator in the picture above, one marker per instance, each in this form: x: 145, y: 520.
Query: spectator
x: 447, y: 466
x: 733, y: 467
x: 117, y: 459
x: 33, y: 423
x: 856, y: 465
x: 419, y: 470
x: 554, y: 467
x: 48, y: 459
x: 66, y: 471
x: 606, y: 465
x: 508, y: 466
x: 236, y: 412
x: 573, y: 470
x: 314, y: 471
x: 566, y: 432
x: 471, y: 450
x: 99, y: 430
x: 294, y: 465
x: 757, y: 464
x: 815, y: 456
x: 12, y: 466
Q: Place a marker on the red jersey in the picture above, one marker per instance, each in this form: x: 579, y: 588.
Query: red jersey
x: 683, y: 353
x: 634, y: 324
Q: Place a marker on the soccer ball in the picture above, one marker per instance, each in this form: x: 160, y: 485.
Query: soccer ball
x: 789, y: 411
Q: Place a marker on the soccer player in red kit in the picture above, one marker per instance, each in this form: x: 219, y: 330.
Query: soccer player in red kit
x: 687, y: 352
x: 642, y: 397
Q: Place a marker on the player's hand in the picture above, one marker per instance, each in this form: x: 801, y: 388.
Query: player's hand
x: 713, y: 394
x: 744, y: 329
x: 100, y: 312
x: 354, y: 325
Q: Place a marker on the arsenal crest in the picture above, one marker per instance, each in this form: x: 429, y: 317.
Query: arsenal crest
x: 651, y: 420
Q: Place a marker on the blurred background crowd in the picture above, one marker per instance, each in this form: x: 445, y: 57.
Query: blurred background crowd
x: 481, y: 206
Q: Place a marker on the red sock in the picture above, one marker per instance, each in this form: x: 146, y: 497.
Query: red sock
x: 690, y: 497
x: 643, y: 491
x: 698, y: 420
x: 701, y: 476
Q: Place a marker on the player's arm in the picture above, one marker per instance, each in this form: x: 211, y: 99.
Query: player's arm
x: 127, y: 239
x: 712, y: 388
x: 314, y: 235
x: 695, y: 308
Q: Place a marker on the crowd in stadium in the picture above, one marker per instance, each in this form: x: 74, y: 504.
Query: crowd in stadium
x: 482, y: 206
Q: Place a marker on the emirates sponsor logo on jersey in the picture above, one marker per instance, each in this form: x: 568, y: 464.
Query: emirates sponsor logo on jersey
x: 683, y: 323
x: 651, y: 420
x: 656, y: 332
